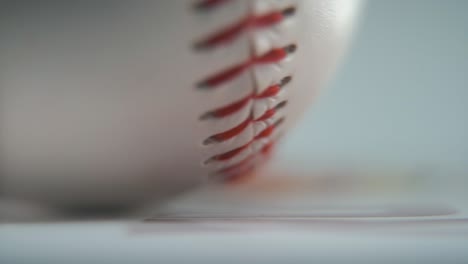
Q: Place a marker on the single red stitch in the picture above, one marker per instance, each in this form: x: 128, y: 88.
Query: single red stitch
x: 224, y: 76
x: 225, y: 36
x: 269, y: 130
x: 230, y: 133
x: 269, y: 92
x: 242, y: 126
x: 265, y: 133
x: 228, y: 155
x: 229, y: 109
x: 230, y: 33
x: 269, y: 19
x: 238, y: 105
x: 268, y: 114
x: 273, y: 56
x: 271, y: 112
x: 265, y: 151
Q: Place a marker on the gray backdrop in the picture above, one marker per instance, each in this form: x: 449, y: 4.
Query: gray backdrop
x: 400, y: 97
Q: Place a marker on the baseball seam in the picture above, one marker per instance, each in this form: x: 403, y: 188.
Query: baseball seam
x: 226, y: 35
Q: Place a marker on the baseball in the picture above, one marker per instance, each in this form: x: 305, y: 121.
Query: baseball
x: 115, y: 103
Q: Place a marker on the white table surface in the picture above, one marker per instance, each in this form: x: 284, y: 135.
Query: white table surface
x: 314, y: 219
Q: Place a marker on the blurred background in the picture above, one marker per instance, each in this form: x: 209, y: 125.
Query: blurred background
x: 400, y: 97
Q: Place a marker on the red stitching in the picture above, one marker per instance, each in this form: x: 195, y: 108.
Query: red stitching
x: 223, y: 136
x: 245, y: 174
x: 268, y: 114
x: 242, y: 170
x: 265, y: 150
x: 273, y: 56
x: 230, y: 33
x: 230, y: 133
x: 230, y: 154
x: 269, y: 92
x: 226, y: 35
x: 229, y: 109
x: 238, y: 105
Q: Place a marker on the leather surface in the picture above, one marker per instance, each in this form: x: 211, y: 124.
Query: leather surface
x: 100, y: 105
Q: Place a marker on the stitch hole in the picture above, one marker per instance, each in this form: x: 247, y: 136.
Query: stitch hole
x: 210, y: 140
x: 229, y: 133
x: 279, y: 122
x: 206, y: 116
x: 207, y: 5
x: 290, y: 48
x: 281, y: 105
x: 200, y: 46
x: 289, y: 11
x: 285, y: 80
x: 228, y: 109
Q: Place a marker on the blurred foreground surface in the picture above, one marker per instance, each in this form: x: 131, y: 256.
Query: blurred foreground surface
x: 367, y: 216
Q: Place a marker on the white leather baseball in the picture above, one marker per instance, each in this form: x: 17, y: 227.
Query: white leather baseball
x: 119, y: 102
